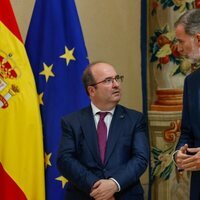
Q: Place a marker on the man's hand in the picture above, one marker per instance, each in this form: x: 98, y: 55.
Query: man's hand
x: 104, y: 189
x: 181, y: 156
x: 193, y: 162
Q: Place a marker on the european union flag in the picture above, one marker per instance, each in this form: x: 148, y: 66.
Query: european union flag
x: 58, y: 57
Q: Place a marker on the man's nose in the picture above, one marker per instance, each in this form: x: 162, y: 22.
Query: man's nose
x: 115, y: 83
x: 180, y: 48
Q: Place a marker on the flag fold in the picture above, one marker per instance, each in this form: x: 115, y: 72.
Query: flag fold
x: 58, y: 57
x: 21, y: 142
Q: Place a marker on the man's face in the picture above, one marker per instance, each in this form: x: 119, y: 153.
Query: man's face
x: 105, y: 95
x: 187, y: 45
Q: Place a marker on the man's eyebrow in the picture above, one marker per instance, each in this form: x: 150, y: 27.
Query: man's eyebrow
x: 109, y: 77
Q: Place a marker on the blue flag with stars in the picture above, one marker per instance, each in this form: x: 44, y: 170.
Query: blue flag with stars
x: 58, y: 57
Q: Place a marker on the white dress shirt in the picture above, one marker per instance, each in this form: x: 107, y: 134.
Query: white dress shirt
x: 107, y: 120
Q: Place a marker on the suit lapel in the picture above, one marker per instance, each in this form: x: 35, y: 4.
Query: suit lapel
x: 115, y: 131
x: 89, y: 131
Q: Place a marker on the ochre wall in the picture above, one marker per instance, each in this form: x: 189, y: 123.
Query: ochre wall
x: 112, y: 33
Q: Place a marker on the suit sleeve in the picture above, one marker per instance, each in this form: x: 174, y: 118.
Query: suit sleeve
x: 130, y: 172
x: 69, y: 165
x: 186, y: 130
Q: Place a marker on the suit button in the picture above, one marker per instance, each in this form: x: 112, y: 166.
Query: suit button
x: 104, y: 170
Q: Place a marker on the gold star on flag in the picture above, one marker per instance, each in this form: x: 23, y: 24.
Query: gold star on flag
x: 68, y: 55
x: 47, y: 159
x: 47, y: 72
x: 40, y: 97
x: 63, y: 180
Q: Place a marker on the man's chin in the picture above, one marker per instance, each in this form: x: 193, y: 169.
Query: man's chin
x: 117, y: 98
x: 194, y: 60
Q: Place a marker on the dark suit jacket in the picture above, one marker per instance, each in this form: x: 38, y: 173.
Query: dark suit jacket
x: 190, y: 126
x: 126, y: 155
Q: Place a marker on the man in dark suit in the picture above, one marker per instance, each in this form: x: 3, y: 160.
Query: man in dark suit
x: 103, y: 171
x: 187, y: 156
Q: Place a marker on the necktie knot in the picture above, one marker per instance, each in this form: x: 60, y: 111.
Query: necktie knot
x: 102, y: 115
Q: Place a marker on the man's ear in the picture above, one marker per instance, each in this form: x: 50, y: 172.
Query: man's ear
x: 91, y: 90
x: 198, y: 38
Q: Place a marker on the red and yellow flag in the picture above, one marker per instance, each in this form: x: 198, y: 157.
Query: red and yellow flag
x: 21, y: 142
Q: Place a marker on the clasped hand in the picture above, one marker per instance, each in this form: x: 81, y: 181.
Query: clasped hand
x: 104, y: 189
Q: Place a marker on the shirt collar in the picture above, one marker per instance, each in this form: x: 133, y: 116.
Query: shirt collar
x: 95, y: 110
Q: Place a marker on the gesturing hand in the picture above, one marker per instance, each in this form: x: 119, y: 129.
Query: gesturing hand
x: 181, y: 156
x: 193, y: 162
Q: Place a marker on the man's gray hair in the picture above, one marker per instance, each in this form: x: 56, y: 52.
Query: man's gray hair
x: 190, y: 21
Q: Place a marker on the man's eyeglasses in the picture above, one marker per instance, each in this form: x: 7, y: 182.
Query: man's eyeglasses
x: 110, y: 80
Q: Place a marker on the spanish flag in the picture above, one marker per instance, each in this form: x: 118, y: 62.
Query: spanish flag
x: 21, y: 142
